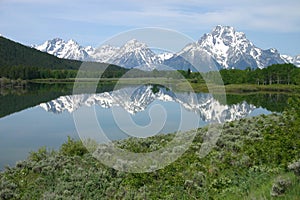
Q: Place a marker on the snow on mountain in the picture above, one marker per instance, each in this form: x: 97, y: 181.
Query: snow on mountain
x: 104, y: 53
x: 226, y: 48
x: 289, y: 59
x: 223, y: 48
x: 130, y: 55
x: 135, y: 100
x: 134, y: 54
x: 296, y: 61
x: 164, y: 56
x: 89, y: 50
x: 63, y: 49
x: 194, y: 58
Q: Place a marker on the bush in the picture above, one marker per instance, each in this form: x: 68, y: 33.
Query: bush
x: 280, y: 186
x: 73, y: 148
x: 295, y: 167
x: 41, y: 154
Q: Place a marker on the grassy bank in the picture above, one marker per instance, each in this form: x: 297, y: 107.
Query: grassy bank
x: 254, y: 158
x: 247, y: 88
x: 242, y: 88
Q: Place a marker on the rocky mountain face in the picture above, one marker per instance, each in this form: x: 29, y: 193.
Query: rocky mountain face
x: 134, y: 54
x: 62, y: 49
x: 223, y: 48
x: 289, y: 59
x: 226, y: 48
x: 135, y: 100
x: 130, y: 55
x: 103, y: 53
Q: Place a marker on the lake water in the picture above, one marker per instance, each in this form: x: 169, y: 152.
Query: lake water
x: 43, y: 116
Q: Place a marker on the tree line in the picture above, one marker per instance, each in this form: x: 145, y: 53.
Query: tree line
x: 29, y: 73
x: 112, y: 71
x: 274, y: 74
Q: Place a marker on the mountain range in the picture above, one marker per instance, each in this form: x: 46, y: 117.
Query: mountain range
x: 135, y: 100
x: 222, y: 48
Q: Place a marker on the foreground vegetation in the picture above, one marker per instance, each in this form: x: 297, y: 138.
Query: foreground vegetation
x: 255, y: 158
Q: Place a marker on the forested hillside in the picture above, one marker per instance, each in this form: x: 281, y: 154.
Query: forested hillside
x: 21, y: 62
x: 15, y: 54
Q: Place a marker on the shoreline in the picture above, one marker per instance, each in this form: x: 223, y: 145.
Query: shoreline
x: 181, y: 84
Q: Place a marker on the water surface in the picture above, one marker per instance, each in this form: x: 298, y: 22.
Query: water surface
x: 43, y: 116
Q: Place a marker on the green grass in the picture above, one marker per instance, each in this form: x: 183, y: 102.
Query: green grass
x: 261, y: 88
x: 263, y: 191
x: 247, y: 88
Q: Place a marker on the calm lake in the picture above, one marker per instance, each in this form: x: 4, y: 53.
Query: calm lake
x: 42, y: 114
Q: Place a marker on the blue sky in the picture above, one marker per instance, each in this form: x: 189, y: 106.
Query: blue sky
x: 90, y: 22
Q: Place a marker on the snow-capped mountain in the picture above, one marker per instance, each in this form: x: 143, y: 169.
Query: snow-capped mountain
x: 130, y: 55
x: 164, y: 56
x: 289, y: 59
x: 223, y: 48
x: 104, y: 53
x: 63, y: 49
x: 226, y: 48
x: 134, y: 54
x: 296, y: 60
x: 135, y: 100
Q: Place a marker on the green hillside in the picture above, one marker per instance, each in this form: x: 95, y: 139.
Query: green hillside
x: 21, y: 62
x: 15, y: 54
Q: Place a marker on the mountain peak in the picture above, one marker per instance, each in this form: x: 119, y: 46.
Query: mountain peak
x: 132, y: 41
x: 134, y: 44
x: 224, y: 34
x: 221, y: 28
x: 231, y: 49
x: 55, y: 40
x: 223, y: 47
x: 72, y: 42
x: 62, y: 49
x: 135, y: 54
x: 223, y: 31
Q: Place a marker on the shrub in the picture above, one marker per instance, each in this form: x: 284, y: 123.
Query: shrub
x: 6, y: 194
x: 73, y: 148
x: 280, y: 186
x: 295, y: 167
x: 39, y: 155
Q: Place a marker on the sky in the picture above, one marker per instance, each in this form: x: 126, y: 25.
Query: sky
x: 267, y: 24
